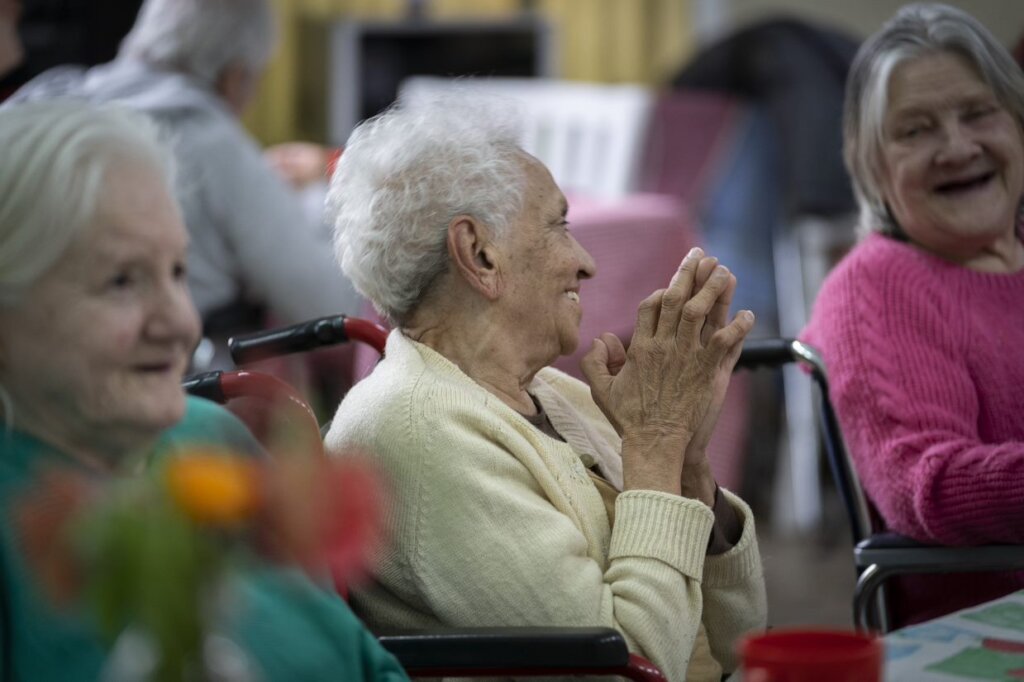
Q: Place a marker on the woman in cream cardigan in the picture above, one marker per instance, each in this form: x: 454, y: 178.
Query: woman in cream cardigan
x: 523, y: 496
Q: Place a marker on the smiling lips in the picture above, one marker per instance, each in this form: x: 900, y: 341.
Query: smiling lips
x: 965, y: 184
x: 156, y: 367
x: 573, y: 296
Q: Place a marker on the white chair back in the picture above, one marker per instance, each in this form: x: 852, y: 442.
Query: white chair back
x: 589, y: 135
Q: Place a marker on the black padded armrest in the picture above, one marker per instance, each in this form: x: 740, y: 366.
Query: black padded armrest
x: 892, y: 553
x: 206, y: 385
x: 767, y: 352
x: 323, y: 331
x: 508, y: 648
x: 891, y: 541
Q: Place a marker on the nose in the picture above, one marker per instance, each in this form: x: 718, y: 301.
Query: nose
x: 587, y: 266
x: 958, y: 144
x: 173, y: 317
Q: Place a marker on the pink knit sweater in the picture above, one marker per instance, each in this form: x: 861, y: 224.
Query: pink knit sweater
x: 927, y: 375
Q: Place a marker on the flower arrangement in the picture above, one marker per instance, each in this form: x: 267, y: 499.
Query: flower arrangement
x: 150, y: 553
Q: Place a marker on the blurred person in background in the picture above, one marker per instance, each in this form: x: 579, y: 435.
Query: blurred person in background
x: 11, y: 51
x: 524, y: 496
x: 96, y: 329
x: 302, y: 163
x: 921, y: 323
x: 193, y: 65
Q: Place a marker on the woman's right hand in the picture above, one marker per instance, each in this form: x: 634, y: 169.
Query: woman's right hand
x: 658, y: 392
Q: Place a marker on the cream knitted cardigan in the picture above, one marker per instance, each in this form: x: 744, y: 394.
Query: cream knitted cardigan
x: 495, y: 523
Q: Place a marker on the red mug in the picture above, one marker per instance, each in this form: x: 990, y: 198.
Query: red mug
x: 802, y: 655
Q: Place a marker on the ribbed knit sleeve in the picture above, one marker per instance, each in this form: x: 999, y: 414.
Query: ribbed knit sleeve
x: 926, y: 375
x: 735, y: 601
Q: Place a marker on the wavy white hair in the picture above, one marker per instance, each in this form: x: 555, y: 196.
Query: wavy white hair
x: 56, y: 154
x: 404, y: 175
x: 914, y: 31
x: 201, y: 37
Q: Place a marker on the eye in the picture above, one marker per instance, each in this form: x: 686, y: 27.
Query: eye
x: 979, y: 111
x: 910, y: 131
x: 121, y: 280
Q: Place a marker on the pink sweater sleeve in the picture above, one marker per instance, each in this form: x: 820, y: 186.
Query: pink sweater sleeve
x: 915, y: 387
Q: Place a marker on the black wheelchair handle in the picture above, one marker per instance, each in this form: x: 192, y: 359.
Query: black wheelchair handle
x: 206, y: 385
x: 323, y: 331
x: 765, y: 352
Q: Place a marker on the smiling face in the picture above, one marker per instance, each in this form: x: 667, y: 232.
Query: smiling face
x: 953, y: 158
x: 544, y: 267
x: 95, y: 352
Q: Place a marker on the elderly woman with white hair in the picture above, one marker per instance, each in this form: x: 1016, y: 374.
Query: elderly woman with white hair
x: 523, y: 496
x: 96, y: 329
x: 920, y: 325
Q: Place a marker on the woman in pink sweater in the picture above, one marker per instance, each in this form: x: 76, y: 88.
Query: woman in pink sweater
x: 922, y: 324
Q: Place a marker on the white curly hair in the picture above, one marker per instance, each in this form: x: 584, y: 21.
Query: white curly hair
x: 405, y: 174
x: 56, y: 155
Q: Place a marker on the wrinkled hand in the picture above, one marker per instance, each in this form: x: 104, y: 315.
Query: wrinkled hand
x: 716, y: 320
x: 697, y: 481
x: 299, y: 163
x: 660, y: 394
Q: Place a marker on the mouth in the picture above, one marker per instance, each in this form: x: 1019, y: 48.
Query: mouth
x: 573, y: 296
x: 964, y: 185
x: 157, y: 368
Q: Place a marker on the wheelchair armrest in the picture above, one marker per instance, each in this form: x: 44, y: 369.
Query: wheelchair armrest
x: 885, y: 555
x: 318, y: 333
x: 766, y: 352
x: 503, y: 647
x: 891, y: 541
x: 899, y: 554
x: 206, y: 385
x: 518, y: 651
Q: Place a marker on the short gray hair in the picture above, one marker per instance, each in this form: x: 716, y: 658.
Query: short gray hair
x: 915, y: 31
x: 202, y: 37
x: 55, y: 156
x: 405, y: 175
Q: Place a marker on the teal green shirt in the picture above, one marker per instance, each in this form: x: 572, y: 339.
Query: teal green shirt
x: 290, y: 628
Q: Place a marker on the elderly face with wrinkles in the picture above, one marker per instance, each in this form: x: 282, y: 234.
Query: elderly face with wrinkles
x: 952, y: 156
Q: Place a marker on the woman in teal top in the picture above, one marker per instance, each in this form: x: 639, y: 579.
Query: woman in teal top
x: 96, y: 329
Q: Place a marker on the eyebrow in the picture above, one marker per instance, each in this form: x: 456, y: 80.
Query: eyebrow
x: 968, y: 98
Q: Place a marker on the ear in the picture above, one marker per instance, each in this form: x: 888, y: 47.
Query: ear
x: 235, y: 85
x: 473, y: 255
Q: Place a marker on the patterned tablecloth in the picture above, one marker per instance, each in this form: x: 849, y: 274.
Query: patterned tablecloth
x: 985, y: 642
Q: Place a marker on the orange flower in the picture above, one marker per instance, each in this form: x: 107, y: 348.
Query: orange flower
x: 323, y: 513
x: 41, y: 519
x: 214, y: 488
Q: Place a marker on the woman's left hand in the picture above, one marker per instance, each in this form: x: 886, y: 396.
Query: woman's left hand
x: 697, y: 481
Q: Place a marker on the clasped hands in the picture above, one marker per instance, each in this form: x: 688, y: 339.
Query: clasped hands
x: 664, y: 394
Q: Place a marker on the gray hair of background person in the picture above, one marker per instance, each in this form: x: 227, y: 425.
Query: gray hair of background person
x: 52, y: 169
x: 202, y: 37
x: 915, y: 31
x: 405, y: 175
